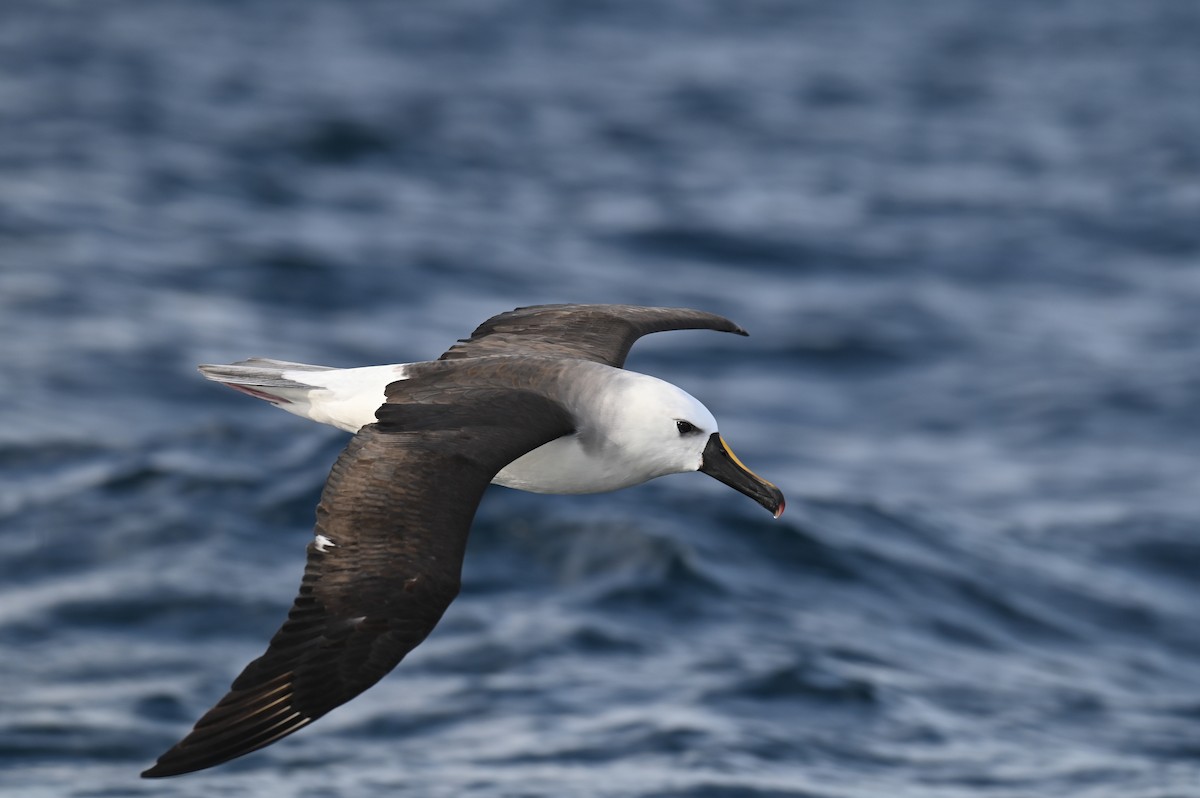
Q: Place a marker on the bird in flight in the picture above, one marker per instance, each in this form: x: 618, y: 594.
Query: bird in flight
x: 536, y: 399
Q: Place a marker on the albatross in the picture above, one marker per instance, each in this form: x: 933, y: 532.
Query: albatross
x: 536, y: 399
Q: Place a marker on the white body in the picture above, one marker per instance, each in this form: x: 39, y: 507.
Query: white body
x: 625, y: 434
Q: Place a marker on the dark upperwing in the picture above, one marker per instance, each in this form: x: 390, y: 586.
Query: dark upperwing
x: 394, y: 517
x: 603, y: 333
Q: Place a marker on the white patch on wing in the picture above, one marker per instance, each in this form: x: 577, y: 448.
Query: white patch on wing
x: 324, y: 544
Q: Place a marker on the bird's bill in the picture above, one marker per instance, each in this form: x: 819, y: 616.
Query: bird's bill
x: 720, y: 463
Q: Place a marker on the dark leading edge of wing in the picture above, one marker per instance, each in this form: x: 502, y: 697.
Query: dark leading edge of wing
x: 393, y: 521
x: 603, y: 333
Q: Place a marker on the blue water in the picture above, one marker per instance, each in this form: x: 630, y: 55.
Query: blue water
x: 962, y: 233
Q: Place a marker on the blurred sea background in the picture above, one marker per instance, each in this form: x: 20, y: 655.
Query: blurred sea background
x: 964, y: 236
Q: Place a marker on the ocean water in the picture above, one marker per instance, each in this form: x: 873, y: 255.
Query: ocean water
x: 963, y: 235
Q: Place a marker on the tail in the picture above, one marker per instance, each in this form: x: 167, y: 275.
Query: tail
x: 275, y: 381
x: 344, y: 398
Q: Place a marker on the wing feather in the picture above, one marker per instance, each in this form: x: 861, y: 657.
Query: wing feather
x: 602, y: 333
x: 392, y: 525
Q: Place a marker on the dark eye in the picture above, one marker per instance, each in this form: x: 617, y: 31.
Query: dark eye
x: 686, y: 427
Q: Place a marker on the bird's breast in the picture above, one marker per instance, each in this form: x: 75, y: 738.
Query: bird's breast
x: 565, y: 465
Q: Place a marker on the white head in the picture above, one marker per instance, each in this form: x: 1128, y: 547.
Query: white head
x: 662, y: 429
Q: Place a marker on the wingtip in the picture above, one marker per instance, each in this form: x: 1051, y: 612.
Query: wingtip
x: 732, y: 326
x: 178, y: 763
x: 172, y: 763
x: 157, y: 771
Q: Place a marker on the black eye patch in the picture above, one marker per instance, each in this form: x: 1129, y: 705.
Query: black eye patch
x: 686, y: 427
